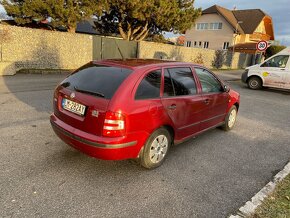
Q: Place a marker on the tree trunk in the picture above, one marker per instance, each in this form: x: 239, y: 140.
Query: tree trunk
x: 123, y: 34
x: 71, y: 29
x: 142, y: 34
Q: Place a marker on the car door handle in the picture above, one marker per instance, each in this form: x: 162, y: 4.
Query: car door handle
x: 206, y: 101
x: 172, y: 107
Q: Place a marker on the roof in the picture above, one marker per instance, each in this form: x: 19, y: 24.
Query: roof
x: 251, y: 18
x: 134, y: 63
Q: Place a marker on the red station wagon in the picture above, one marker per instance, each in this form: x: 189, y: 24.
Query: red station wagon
x: 136, y: 109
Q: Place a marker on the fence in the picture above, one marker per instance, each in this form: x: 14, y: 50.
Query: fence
x: 28, y: 48
x: 206, y: 56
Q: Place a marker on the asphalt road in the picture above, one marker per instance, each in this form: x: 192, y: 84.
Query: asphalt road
x: 209, y: 176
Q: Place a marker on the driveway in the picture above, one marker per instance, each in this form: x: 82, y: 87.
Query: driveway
x: 209, y: 176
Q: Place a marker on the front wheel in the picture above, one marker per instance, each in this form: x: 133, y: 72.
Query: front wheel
x: 230, y: 119
x: 156, y: 149
x: 255, y: 83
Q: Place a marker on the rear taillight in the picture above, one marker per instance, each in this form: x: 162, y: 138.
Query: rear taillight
x: 114, y: 125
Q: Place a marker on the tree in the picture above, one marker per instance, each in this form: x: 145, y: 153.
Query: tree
x: 273, y: 49
x: 219, y: 59
x: 135, y: 19
x: 65, y: 13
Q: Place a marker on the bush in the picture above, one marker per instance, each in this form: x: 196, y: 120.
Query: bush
x: 199, y: 59
x: 219, y: 59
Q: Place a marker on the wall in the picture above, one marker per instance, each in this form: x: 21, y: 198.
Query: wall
x: 25, y: 48
x: 216, y: 38
x: 40, y: 49
x: 179, y: 53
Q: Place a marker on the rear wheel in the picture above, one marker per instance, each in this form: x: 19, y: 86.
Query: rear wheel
x: 255, y: 83
x: 230, y: 119
x: 156, y: 149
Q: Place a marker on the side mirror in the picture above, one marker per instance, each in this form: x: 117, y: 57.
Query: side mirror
x: 227, y: 88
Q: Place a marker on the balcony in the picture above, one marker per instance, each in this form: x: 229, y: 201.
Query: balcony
x: 259, y: 36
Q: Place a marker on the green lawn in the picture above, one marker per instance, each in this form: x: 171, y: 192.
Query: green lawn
x: 277, y: 205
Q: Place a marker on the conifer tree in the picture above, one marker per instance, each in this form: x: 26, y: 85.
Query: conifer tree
x: 135, y: 19
x: 65, y: 13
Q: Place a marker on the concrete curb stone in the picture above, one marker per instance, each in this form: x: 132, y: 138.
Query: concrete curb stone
x: 250, y: 206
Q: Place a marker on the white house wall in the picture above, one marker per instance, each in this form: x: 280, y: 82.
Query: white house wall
x: 216, y: 38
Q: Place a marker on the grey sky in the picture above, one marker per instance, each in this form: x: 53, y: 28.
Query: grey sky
x: 279, y: 10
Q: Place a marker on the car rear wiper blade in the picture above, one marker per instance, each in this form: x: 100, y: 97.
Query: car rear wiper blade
x: 89, y: 92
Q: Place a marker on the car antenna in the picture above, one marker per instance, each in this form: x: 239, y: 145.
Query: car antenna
x: 119, y: 49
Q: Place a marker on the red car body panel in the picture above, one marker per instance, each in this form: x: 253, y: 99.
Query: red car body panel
x: 188, y: 116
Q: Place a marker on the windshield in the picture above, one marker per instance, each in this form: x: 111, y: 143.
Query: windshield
x: 98, y: 80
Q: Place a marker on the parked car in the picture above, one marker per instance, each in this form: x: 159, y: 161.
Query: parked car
x: 137, y: 109
x: 273, y: 72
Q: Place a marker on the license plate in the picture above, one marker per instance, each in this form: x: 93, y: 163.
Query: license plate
x: 73, y: 107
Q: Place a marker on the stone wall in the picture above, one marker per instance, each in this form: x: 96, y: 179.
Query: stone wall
x: 42, y: 49
x: 26, y: 48
x: 171, y: 52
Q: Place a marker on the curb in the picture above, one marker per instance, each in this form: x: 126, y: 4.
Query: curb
x: 250, y: 206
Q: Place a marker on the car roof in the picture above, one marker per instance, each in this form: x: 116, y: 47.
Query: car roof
x: 139, y: 63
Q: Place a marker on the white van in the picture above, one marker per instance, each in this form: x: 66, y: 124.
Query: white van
x: 273, y: 72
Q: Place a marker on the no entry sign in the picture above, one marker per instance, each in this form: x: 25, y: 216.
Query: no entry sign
x: 262, y: 45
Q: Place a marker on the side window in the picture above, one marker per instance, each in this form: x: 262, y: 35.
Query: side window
x: 278, y: 61
x: 150, y: 86
x: 179, y: 81
x: 208, y: 81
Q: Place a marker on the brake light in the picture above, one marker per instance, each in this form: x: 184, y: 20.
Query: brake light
x: 114, y: 125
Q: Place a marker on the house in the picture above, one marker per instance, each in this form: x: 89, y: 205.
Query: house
x: 239, y: 30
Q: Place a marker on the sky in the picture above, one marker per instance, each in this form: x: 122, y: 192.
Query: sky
x: 279, y: 10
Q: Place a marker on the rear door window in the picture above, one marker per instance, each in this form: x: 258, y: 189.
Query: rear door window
x: 179, y: 81
x: 99, y: 80
x: 149, y: 87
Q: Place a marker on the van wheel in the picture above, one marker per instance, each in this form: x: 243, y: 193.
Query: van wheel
x: 156, y: 149
x: 255, y: 83
x: 230, y: 119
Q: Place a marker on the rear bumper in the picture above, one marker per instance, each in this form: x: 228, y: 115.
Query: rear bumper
x: 95, y: 146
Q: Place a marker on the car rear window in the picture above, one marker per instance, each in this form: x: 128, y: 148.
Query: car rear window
x: 98, y: 80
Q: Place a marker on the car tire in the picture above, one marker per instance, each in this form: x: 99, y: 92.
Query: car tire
x: 230, y: 119
x: 255, y: 83
x: 156, y: 149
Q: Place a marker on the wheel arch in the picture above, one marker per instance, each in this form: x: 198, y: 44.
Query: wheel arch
x: 262, y: 80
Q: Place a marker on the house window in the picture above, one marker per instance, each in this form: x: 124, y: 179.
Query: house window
x: 188, y: 44
x: 199, y: 44
x: 195, y: 43
x: 226, y: 45
x: 205, y: 44
x: 202, y: 26
x: 209, y: 26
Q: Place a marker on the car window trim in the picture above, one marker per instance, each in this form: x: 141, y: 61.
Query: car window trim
x: 163, y: 81
x: 218, y: 79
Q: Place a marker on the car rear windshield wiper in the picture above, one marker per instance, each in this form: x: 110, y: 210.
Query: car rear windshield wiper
x: 89, y: 92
